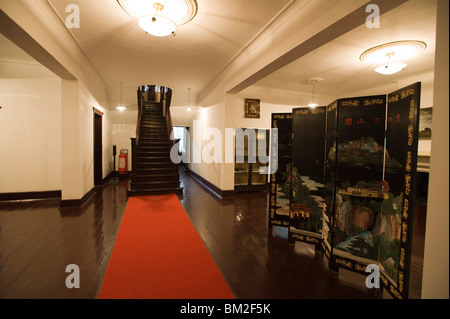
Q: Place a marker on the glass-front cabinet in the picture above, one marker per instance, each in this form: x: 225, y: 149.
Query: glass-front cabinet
x: 251, y: 161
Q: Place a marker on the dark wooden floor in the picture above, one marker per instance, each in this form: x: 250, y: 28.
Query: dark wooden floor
x: 38, y: 240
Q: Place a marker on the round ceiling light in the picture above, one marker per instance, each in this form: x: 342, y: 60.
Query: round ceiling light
x: 390, y: 68
x: 399, y: 51
x: 157, y: 25
x: 179, y: 11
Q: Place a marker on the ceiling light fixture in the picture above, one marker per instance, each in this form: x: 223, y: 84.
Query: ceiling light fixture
x: 313, y: 104
x: 394, y: 52
x: 160, y: 17
x: 121, y: 108
x: 390, y: 68
x: 189, y: 108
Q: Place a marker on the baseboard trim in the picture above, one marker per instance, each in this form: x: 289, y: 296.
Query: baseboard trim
x: 31, y: 195
x: 77, y: 202
x: 213, y: 189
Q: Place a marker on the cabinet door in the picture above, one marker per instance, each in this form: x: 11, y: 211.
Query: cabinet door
x: 249, y: 174
x: 241, y: 173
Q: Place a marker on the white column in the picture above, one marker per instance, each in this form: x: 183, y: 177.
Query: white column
x: 435, y: 283
x: 71, y: 178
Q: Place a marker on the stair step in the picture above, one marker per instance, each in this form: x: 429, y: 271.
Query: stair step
x: 162, y: 129
x: 156, y: 115
x: 164, y: 149
x: 154, y: 148
x: 152, y: 137
x: 154, y: 134
x: 153, y: 121
x: 153, y: 156
x: 155, y: 171
x: 153, y: 159
x: 158, y: 178
x: 148, y: 136
x: 155, y: 141
x: 155, y: 127
x: 178, y: 190
x: 160, y: 165
x: 155, y: 185
x: 164, y: 159
x: 152, y: 140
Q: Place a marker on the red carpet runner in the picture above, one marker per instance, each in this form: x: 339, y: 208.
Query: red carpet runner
x: 159, y: 255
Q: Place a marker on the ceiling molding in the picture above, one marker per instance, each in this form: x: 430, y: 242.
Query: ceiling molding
x: 282, y: 17
x: 58, y: 22
x: 283, y: 91
x: 289, y: 11
x: 11, y: 30
x: 41, y: 33
x: 18, y: 61
x: 333, y: 31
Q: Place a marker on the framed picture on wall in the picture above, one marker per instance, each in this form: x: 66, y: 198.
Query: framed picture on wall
x: 425, y: 123
x: 252, y: 108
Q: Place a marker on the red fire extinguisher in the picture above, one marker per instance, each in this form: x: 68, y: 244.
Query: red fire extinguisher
x: 123, y: 161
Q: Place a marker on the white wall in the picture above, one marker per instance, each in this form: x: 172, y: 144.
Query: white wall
x: 121, y: 137
x: 435, y: 282
x: 230, y: 114
x: 77, y: 136
x: 182, y: 117
x: 30, y: 134
x: 81, y: 90
x: 86, y: 139
x: 235, y: 118
x: 204, y: 118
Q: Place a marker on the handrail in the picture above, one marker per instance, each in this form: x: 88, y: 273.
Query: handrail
x: 167, y: 115
x: 135, y: 141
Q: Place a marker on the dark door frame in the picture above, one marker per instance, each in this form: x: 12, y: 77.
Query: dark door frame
x: 98, y: 146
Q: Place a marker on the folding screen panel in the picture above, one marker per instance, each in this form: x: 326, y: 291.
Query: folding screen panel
x: 398, y: 207
x: 358, y: 188
x: 307, y: 177
x: 280, y: 181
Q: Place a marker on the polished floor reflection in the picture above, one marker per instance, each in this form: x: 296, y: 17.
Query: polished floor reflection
x: 38, y: 240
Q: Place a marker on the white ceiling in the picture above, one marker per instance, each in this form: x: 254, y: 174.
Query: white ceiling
x: 338, y: 61
x: 122, y: 53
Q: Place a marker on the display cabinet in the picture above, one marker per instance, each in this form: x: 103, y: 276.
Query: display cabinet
x: 249, y: 172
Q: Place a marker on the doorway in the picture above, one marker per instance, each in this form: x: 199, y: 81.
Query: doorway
x: 98, y: 147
